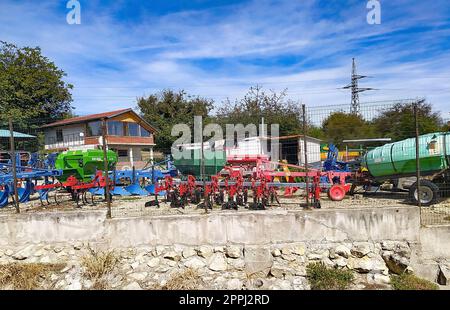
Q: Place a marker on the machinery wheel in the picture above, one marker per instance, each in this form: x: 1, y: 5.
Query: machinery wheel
x: 336, y: 192
x: 429, y: 193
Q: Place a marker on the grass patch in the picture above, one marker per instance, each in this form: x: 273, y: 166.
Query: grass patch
x: 97, y: 264
x: 26, y: 276
x: 188, y: 279
x: 407, y: 281
x: 100, y: 284
x: 323, y: 278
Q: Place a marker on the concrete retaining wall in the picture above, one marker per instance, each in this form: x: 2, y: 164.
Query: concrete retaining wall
x: 52, y: 227
x: 431, y: 252
x: 258, y: 227
x: 263, y: 229
x: 435, y: 242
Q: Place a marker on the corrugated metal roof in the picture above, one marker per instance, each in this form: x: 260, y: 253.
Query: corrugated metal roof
x: 6, y: 134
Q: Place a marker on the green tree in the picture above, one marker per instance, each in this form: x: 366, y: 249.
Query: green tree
x: 168, y: 108
x: 257, y: 104
x: 32, y: 89
x: 398, y: 122
x: 341, y: 126
x: 315, y: 131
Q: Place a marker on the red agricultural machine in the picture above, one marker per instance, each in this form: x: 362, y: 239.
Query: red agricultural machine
x: 255, y: 183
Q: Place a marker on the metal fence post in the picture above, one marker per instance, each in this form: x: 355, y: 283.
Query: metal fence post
x: 416, y: 117
x: 106, y: 170
x: 202, y: 166
x: 305, y: 150
x: 14, y: 164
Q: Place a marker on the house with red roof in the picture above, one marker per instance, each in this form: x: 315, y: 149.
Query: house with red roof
x: 127, y: 133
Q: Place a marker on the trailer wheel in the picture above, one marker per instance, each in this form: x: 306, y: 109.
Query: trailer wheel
x: 336, y: 192
x: 429, y: 193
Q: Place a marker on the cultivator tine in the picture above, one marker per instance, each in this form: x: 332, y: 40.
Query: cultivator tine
x: 77, y: 196
x: 43, y: 196
x: 153, y: 203
x: 56, y: 196
x: 93, y: 200
x: 84, y: 198
x: 88, y: 200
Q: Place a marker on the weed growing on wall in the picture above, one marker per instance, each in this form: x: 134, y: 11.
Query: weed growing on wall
x: 20, y: 276
x: 408, y: 281
x: 322, y: 277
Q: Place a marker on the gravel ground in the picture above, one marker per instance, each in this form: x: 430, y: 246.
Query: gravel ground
x: 135, y: 206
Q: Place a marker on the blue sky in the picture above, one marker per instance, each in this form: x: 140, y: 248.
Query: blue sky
x: 218, y: 49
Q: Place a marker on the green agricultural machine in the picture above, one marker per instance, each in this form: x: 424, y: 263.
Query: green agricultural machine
x: 190, y: 164
x: 395, y: 161
x: 83, y: 164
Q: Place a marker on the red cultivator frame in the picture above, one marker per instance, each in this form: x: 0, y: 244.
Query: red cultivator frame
x: 78, y: 190
x: 231, y: 187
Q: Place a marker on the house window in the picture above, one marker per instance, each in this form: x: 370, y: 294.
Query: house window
x: 122, y: 153
x: 145, y: 132
x: 94, y: 129
x: 133, y: 129
x: 59, y: 135
x: 115, y: 128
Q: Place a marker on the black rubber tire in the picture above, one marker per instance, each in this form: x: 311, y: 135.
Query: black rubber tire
x: 431, y: 189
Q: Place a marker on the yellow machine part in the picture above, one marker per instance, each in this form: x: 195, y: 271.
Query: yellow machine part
x: 342, y: 155
x: 285, y: 170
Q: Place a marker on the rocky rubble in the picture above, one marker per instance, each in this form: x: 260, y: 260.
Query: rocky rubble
x: 231, y: 267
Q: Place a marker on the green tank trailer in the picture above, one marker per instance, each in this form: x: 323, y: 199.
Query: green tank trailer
x: 397, y: 160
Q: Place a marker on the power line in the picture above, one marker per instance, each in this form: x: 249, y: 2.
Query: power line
x: 236, y: 83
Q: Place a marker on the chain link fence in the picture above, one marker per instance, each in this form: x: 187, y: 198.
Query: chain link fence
x: 381, y: 145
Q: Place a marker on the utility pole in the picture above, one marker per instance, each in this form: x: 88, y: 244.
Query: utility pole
x: 106, y: 170
x: 355, y: 105
x: 14, y: 164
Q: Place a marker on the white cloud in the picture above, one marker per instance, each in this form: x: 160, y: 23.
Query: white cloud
x: 111, y: 63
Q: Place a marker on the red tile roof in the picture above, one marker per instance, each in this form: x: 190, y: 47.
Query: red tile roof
x: 81, y: 119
